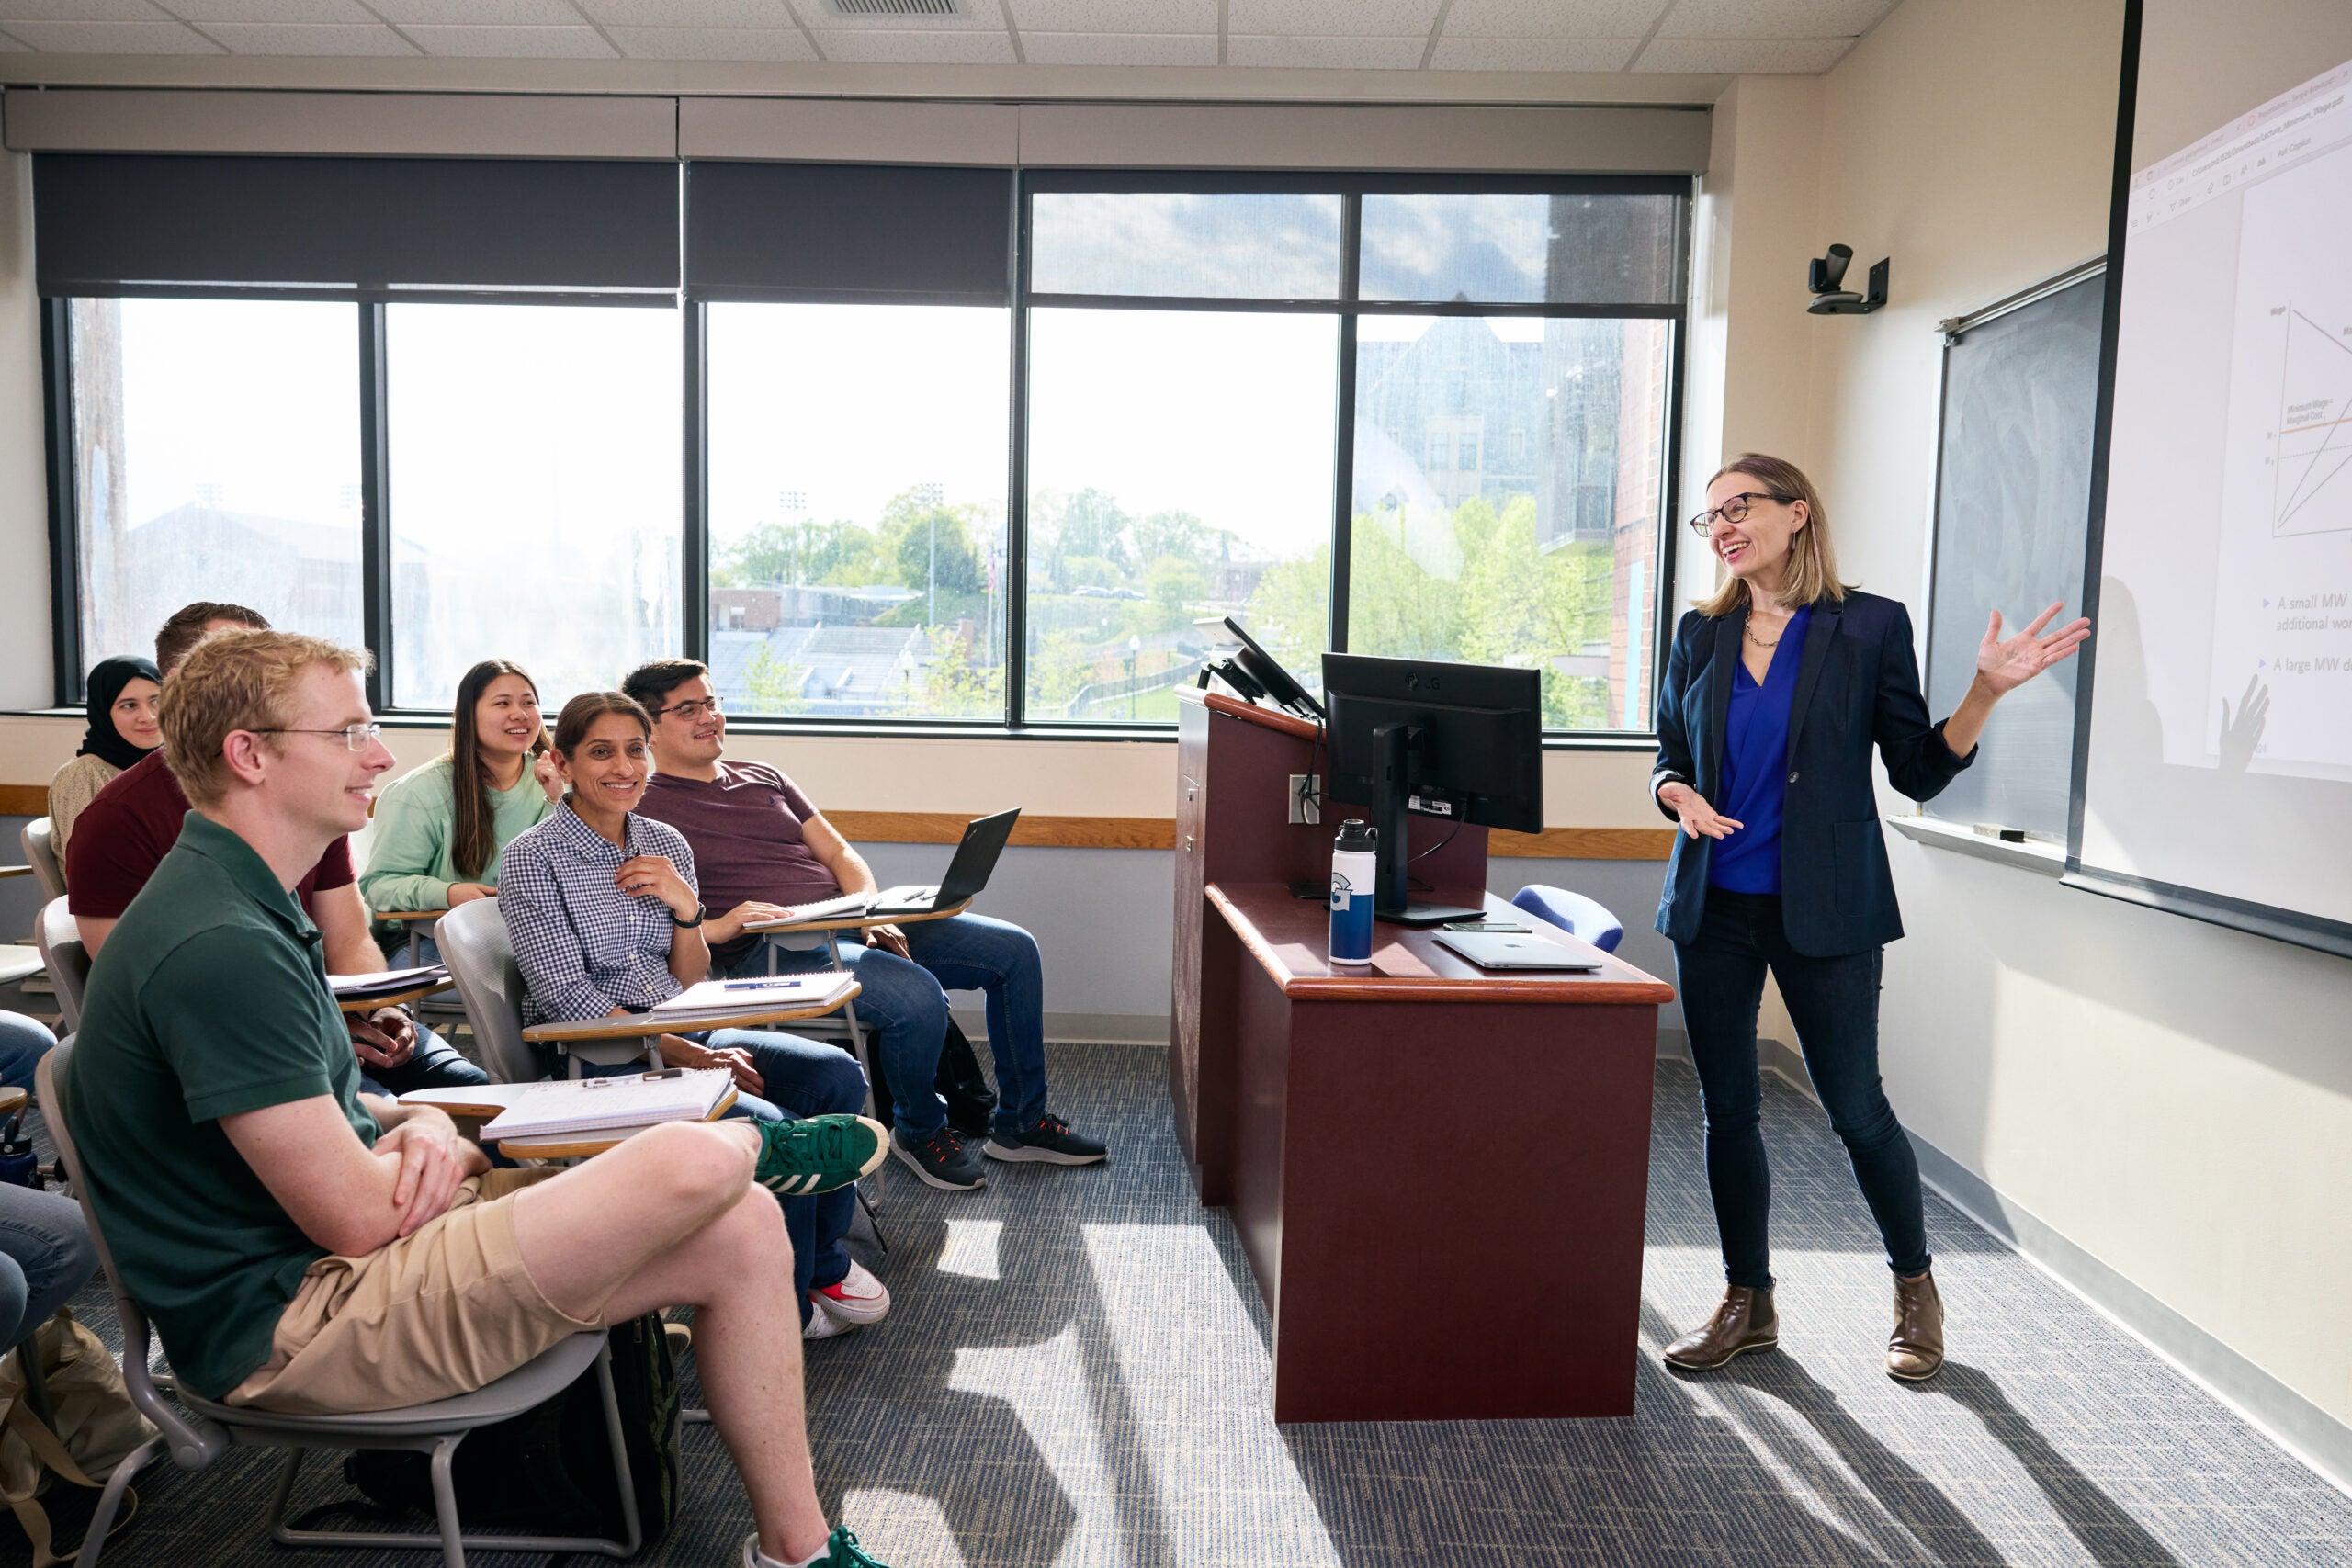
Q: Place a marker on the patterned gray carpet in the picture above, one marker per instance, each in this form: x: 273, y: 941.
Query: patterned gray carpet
x: 1075, y: 1375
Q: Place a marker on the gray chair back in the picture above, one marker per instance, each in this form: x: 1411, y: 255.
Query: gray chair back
x: 67, y: 961
x: 40, y: 840
x: 196, y: 1442
x: 480, y: 956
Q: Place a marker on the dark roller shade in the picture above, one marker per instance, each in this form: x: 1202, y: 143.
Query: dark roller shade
x: 110, y: 225
x: 848, y: 231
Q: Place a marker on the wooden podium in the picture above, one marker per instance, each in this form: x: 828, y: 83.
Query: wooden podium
x: 1381, y: 1132
x: 1234, y: 763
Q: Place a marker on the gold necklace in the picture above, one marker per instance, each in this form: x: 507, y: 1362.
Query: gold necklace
x: 1760, y: 641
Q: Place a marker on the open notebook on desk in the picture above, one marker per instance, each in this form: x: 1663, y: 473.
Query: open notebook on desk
x: 386, y: 983
x: 763, y: 991
x: 607, y: 1104
x: 848, y: 907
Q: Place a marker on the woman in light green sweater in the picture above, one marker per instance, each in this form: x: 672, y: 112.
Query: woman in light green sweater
x: 437, y: 845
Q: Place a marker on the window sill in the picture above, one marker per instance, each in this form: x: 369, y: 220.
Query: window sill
x: 2046, y: 859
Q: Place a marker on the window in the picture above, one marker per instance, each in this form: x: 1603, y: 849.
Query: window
x: 858, y: 517
x: 215, y: 455
x: 1190, y: 492
x: 1510, y: 567
x: 535, y: 497
x: 884, y: 444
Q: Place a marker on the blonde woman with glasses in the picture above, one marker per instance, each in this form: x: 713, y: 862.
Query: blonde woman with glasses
x: 1778, y: 688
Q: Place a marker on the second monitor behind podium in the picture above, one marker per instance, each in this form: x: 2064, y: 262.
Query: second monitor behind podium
x: 1460, y: 742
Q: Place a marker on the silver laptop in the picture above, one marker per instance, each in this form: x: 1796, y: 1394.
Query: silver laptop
x: 1495, y: 949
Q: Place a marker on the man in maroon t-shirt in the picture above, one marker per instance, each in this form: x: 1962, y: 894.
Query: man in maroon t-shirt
x: 757, y: 838
x: 135, y: 820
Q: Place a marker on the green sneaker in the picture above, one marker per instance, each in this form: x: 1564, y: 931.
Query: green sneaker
x: 818, y: 1153
x: 841, y: 1550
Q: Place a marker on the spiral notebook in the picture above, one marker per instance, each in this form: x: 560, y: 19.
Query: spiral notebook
x: 625, y: 1100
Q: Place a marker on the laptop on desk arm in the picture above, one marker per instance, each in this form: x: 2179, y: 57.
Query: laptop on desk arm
x: 968, y: 874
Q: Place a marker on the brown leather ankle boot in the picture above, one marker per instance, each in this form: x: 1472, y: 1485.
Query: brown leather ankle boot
x: 1743, y: 1321
x: 1915, y: 1350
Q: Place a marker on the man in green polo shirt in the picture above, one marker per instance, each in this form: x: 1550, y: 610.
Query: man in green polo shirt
x: 300, y: 1246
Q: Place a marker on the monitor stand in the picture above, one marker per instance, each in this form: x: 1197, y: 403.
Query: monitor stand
x: 1393, y: 744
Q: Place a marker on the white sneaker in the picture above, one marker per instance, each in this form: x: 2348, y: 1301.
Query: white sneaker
x: 822, y: 1325
x: 858, y: 1298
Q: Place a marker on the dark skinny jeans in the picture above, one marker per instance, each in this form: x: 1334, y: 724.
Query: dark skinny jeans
x: 1834, y: 1003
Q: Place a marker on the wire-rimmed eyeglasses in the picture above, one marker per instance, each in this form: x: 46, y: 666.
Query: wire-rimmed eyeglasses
x: 358, y: 736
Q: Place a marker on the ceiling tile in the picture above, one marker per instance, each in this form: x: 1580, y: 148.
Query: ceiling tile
x: 918, y: 49
x: 1532, y: 53
x: 1163, y: 16
x: 1341, y: 54
x: 349, y: 13
x: 1553, y: 18
x: 1739, y: 57
x: 1772, y: 19
x: 492, y: 13
x: 713, y: 43
x: 307, y: 38
x: 512, y: 43
x: 113, y: 38
x: 979, y: 15
x: 79, y: 11
x: 1333, y: 18
x: 688, y: 13
x: 1119, y: 48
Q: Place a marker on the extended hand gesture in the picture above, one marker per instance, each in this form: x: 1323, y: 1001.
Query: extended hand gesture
x: 2003, y: 666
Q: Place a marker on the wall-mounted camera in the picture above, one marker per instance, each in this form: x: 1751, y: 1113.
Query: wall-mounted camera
x: 1825, y: 275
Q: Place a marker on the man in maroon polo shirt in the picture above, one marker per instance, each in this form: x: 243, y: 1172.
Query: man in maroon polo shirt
x: 134, y: 822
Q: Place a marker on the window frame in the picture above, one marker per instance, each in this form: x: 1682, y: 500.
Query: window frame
x: 694, y: 548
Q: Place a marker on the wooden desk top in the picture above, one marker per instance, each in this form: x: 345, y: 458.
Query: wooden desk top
x: 858, y: 922
x: 1251, y: 713
x: 1290, y: 937
x: 681, y: 1021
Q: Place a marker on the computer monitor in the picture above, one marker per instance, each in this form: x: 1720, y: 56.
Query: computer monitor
x: 1267, y: 672
x: 1463, y: 742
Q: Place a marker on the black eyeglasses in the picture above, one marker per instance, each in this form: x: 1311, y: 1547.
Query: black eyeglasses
x: 1735, y: 509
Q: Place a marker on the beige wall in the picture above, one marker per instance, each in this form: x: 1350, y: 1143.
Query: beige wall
x: 25, y: 678
x: 2173, y: 1099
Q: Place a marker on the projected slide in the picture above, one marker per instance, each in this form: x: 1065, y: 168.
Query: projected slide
x: 2282, y: 610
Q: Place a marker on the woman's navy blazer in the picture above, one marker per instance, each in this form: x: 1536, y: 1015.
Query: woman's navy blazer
x: 1859, y: 685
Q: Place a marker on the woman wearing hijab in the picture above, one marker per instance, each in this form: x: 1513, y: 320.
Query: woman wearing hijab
x: 122, y: 695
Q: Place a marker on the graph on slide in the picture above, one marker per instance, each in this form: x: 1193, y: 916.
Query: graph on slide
x: 2310, y: 465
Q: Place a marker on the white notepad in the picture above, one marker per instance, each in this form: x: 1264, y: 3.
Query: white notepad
x: 763, y: 991
x: 385, y: 983
x: 847, y: 905
x: 626, y: 1099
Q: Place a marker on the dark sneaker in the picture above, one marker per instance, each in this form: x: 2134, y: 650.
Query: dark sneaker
x: 841, y: 1550
x: 1048, y: 1139
x: 818, y: 1153
x: 942, y: 1160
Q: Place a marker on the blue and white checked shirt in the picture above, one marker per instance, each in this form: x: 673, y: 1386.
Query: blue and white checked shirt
x: 584, y: 946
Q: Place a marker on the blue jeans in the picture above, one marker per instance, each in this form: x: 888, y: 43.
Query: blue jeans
x: 802, y: 1077
x: 1834, y: 1004
x: 434, y: 1064
x: 906, y: 1003
x: 45, y: 1251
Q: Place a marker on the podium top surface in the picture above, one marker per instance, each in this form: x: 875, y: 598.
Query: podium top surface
x: 1290, y: 937
x: 1251, y: 713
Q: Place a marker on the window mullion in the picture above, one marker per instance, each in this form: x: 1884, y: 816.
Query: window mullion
x: 693, y: 548
x: 1344, y: 445
x: 376, y: 565
x: 65, y: 503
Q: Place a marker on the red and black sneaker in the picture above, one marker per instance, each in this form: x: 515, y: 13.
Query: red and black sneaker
x: 942, y: 1159
x: 1048, y: 1139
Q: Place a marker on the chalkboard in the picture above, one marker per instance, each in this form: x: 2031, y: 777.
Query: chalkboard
x: 2013, y: 476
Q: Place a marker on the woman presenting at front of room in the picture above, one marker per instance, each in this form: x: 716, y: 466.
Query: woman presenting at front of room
x: 1764, y: 760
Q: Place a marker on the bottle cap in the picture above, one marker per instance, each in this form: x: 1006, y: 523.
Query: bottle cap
x: 1356, y: 834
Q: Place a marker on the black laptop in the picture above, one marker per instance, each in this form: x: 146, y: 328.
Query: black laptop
x: 967, y: 874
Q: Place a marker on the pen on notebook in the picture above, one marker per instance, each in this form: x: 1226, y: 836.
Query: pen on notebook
x: 758, y: 984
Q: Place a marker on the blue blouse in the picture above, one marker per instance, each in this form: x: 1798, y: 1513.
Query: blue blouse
x: 1756, y: 767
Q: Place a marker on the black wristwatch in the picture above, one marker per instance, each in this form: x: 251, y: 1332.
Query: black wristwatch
x: 701, y: 914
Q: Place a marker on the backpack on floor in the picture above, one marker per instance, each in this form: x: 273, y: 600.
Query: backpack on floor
x: 550, y: 1469
x: 95, y: 1429
x: 961, y: 1082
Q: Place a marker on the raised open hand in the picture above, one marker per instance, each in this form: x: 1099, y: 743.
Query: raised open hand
x: 2003, y: 666
x: 2241, y: 731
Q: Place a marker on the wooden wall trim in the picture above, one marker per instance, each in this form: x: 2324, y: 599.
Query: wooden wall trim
x: 1112, y: 832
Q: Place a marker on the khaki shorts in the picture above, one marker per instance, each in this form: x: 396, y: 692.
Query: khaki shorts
x: 429, y: 1316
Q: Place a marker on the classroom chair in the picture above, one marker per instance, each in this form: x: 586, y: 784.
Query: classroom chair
x: 479, y: 954
x: 67, y: 961
x: 205, y: 1430
x: 40, y: 841
x: 1585, y: 918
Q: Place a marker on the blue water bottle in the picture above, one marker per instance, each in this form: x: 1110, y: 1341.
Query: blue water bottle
x: 1353, y: 862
